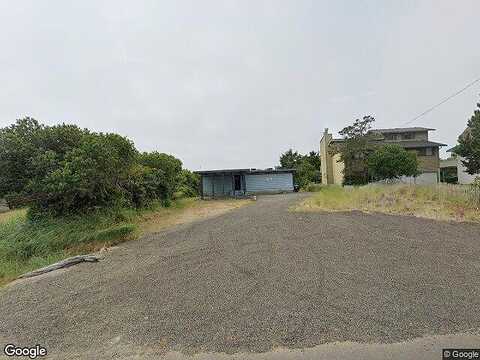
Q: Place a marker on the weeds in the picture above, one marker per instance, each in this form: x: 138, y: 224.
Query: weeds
x: 28, y: 244
x: 312, y: 187
x: 442, y: 201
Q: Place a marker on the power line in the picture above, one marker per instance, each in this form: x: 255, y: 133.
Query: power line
x: 442, y: 102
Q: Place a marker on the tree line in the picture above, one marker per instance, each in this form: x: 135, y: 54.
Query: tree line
x: 63, y: 169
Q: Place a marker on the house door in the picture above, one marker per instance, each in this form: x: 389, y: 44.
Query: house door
x: 237, y: 182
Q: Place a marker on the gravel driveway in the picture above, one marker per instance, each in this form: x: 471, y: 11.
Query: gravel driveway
x: 255, y: 279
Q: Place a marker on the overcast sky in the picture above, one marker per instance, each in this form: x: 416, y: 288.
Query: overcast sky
x: 225, y: 84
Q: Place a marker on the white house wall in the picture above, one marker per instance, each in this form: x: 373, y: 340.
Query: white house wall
x: 422, y: 179
x: 463, y: 176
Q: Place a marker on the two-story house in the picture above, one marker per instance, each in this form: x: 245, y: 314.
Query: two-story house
x: 413, y: 139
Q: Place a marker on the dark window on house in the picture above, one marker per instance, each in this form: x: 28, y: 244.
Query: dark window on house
x: 238, y: 182
x: 422, y: 152
x: 408, y: 136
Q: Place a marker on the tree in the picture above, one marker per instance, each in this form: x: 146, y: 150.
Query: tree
x: 62, y: 169
x: 169, y: 165
x: 90, y: 176
x: 313, y: 157
x: 290, y: 159
x: 29, y: 150
x: 391, y: 162
x: 354, y: 151
x: 469, y: 144
x: 305, y: 174
x: 307, y: 166
x: 18, y: 145
x: 188, y: 183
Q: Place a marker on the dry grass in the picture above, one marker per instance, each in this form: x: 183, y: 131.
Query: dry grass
x: 11, y: 214
x: 186, y: 211
x: 440, y: 202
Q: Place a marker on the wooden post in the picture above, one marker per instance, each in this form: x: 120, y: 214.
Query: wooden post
x: 201, y: 187
x: 223, y: 184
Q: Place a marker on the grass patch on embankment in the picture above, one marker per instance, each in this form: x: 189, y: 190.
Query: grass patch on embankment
x: 440, y: 202
x: 26, y: 245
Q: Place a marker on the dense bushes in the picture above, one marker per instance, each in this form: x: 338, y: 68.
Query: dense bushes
x: 63, y: 169
x: 307, y: 166
x: 188, y: 184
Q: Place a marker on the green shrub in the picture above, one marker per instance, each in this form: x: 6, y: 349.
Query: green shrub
x: 145, y: 185
x: 307, y: 166
x: 89, y: 177
x: 354, y: 178
x: 165, y: 175
x: 62, y: 170
x: 312, y: 187
x: 29, y: 151
x: 188, y: 184
x: 391, y: 161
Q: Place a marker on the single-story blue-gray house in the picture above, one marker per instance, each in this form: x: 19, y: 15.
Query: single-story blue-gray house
x: 241, y: 182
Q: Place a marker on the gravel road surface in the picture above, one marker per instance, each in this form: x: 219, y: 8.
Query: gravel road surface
x: 256, y: 279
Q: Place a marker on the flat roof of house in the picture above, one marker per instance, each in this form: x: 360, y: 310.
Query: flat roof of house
x: 399, y: 130
x: 247, y: 171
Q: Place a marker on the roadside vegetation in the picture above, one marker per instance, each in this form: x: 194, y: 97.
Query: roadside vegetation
x: 312, y: 187
x: 71, y: 190
x: 440, y: 202
x: 308, y: 170
x: 26, y: 245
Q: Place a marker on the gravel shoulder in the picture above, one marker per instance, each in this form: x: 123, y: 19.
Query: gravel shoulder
x: 255, y: 279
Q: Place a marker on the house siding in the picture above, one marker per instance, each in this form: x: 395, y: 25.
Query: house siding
x: 464, y: 177
x: 337, y: 167
x: 326, y: 163
x: 264, y: 183
x: 428, y: 163
x: 217, y: 185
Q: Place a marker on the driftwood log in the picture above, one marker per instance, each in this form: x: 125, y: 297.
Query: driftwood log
x: 61, y: 264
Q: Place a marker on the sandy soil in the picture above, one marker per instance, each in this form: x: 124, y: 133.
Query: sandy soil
x: 199, y: 210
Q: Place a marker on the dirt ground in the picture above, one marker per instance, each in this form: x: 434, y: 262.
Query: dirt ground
x: 199, y: 209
